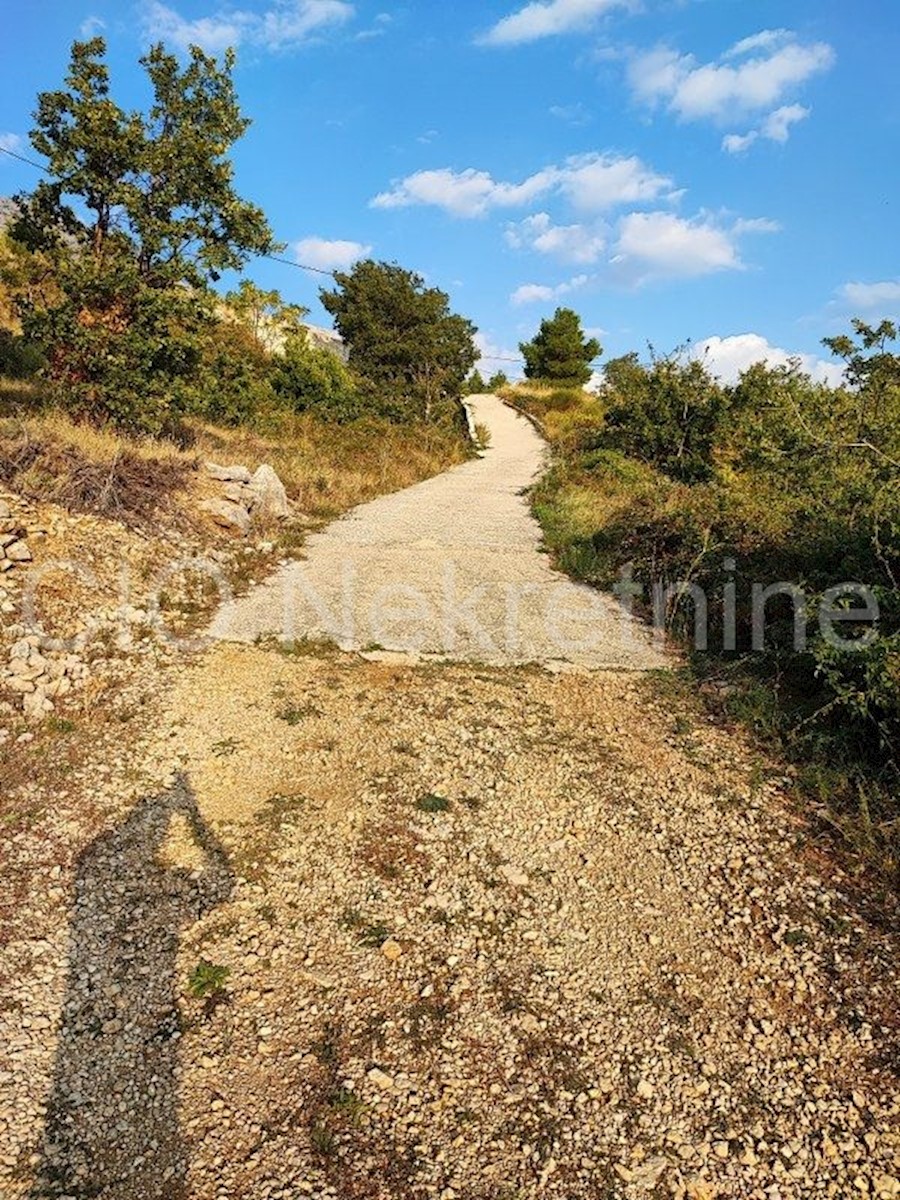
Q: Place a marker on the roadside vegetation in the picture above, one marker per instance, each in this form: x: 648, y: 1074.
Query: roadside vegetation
x: 124, y: 361
x: 778, y: 479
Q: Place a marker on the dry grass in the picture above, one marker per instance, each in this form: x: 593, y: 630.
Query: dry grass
x: 326, y: 468
x: 565, y: 416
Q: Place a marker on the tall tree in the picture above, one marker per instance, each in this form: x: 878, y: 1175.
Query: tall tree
x: 559, y: 352
x: 404, y: 341
x: 141, y: 214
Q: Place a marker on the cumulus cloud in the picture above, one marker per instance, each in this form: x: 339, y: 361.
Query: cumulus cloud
x: 539, y: 293
x: 467, y: 193
x: 660, y: 244
x: 10, y: 141
x: 568, y: 243
x: 592, y: 182
x: 727, y: 357
x: 549, y: 18
x: 775, y: 128
x: 329, y: 255
x: 754, y: 75
x: 286, y: 25
x: 871, y: 295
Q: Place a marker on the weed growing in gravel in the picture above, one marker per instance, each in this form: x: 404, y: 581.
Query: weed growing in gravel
x: 60, y: 725
x: 226, y: 747
x: 368, y: 933
x: 431, y: 803
x: 293, y: 713
x: 207, y: 980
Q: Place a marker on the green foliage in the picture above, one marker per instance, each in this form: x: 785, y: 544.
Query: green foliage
x: 412, y: 353
x: 265, y: 315
x: 19, y: 358
x: 309, y: 378
x: 433, y: 804
x: 207, y: 980
x: 794, y: 481
x: 475, y: 385
x: 666, y: 414
x: 125, y: 327
x: 233, y: 384
x: 497, y: 381
x: 560, y: 352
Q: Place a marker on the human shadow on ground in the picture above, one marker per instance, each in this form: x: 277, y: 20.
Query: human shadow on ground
x: 112, y: 1125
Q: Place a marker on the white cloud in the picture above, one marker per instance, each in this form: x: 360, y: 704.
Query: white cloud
x: 467, y: 193
x: 284, y: 26
x: 764, y: 40
x: 595, y: 182
x: 723, y: 90
x: 737, y: 143
x: 775, y: 128
x: 659, y: 245
x: 496, y: 357
x: 549, y: 18
x: 727, y: 357
x: 329, y: 255
x: 871, y: 295
x: 592, y: 182
x: 568, y: 243
x: 572, y: 114
x: 538, y: 293
x: 10, y: 141
x: 91, y: 27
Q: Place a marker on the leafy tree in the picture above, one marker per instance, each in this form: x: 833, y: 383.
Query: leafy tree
x: 560, y: 353
x: 498, y: 381
x: 666, y: 414
x: 311, y: 378
x: 412, y: 352
x: 265, y: 314
x: 163, y: 220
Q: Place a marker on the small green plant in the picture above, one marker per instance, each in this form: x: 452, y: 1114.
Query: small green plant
x: 226, y: 747
x: 431, y: 803
x: 293, y: 713
x: 482, y: 436
x: 60, y: 725
x: 207, y: 980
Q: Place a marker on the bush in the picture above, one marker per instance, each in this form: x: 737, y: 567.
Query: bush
x: 19, y: 358
x: 311, y: 379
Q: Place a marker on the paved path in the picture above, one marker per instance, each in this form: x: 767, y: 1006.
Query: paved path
x: 451, y: 567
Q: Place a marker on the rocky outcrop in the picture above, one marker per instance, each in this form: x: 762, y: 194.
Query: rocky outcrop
x: 270, y: 498
x: 246, y: 499
x: 14, y: 549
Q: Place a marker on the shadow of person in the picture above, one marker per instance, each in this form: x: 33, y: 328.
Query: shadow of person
x: 112, y: 1121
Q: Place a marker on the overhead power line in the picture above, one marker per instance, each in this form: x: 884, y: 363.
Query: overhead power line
x: 285, y: 262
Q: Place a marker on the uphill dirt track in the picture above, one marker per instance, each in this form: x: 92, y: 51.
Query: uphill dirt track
x: 470, y: 928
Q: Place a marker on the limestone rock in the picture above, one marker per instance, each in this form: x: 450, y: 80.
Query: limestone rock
x: 229, y: 515
x: 271, y: 497
x: 233, y: 474
x: 18, y: 552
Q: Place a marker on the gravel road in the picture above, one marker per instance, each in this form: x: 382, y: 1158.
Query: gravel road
x: 451, y: 568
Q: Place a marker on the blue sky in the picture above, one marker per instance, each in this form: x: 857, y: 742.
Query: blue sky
x: 724, y: 171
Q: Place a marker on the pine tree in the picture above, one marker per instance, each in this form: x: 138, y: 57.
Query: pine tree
x: 559, y: 352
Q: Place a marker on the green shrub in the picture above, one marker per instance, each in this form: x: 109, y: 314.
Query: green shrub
x: 308, y: 378
x: 19, y: 358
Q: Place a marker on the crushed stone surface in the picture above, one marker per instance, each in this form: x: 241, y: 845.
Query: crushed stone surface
x: 452, y: 568
x: 301, y: 924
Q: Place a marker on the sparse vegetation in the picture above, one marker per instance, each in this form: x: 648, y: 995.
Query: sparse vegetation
x: 207, y: 980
